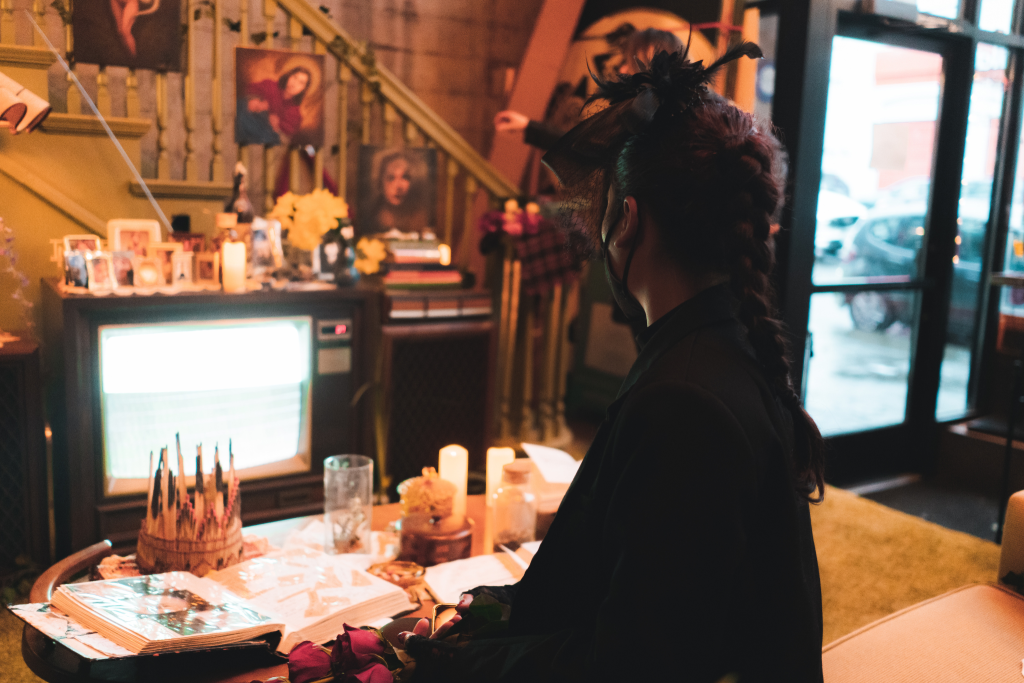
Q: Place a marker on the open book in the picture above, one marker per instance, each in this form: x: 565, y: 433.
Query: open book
x: 313, y: 594
x: 301, y: 593
x: 169, y: 612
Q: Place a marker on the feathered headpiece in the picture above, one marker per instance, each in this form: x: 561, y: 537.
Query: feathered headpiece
x: 661, y: 90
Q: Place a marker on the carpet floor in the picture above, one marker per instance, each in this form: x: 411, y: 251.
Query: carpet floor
x: 873, y: 561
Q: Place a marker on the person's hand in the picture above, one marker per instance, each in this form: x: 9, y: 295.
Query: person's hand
x: 275, y: 123
x: 510, y: 121
x: 422, y: 628
x: 257, y: 105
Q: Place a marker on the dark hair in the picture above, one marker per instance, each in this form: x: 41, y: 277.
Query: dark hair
x: 282, y: 83
x: 712, y: 179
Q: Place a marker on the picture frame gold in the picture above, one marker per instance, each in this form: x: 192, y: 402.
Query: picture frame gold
x: 147, y: 273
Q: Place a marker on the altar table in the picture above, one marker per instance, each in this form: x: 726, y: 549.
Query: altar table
x: 55, y: 663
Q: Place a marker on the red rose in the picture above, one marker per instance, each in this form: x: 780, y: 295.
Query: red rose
x: 308, y: 662
x: 359, y: 656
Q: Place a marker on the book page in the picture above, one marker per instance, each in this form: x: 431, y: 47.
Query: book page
x: 450, y: 580
x: 300, y: 586
x: 164, y: 607
x: 56, y: 625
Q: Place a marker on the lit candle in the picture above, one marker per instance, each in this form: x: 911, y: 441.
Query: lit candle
x: 232, y: 261
x: 453, y: 466
x: 496, y: 459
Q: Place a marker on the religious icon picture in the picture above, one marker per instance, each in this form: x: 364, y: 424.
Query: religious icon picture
x: 81, y: 243
x: 101, y: 272
x: 397, y: 189
x: 279, y: 97
x: 163, y: 253
x: 139, y: 34
x: 133, y: 235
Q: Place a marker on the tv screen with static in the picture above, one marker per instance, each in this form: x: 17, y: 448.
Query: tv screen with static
x: 243, y: 381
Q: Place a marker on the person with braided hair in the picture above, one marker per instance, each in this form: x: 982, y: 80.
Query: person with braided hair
x: 683, y: 549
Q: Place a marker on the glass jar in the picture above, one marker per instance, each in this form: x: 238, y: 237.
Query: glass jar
x: 515, y: 506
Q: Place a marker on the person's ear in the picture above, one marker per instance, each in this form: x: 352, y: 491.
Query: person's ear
x: 630, y: 222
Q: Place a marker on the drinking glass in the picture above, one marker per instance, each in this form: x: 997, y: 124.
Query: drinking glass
x: 348, y: 503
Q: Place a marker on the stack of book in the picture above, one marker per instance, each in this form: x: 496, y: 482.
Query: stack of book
x: 421, y: 264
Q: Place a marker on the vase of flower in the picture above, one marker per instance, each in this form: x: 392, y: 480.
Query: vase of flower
x: 307, y: 219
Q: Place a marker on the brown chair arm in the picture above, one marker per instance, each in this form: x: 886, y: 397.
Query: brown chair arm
x: 42, y: 589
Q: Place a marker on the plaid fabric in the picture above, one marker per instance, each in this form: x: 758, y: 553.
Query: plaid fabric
x: 546, y: 259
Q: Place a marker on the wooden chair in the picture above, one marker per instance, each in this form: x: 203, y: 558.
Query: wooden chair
x: 61, y: 572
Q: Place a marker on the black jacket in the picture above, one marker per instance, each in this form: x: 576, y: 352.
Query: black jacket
x: 681, y: 551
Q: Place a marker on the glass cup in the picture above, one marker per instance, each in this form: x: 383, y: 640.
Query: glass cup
x: 348, y: 503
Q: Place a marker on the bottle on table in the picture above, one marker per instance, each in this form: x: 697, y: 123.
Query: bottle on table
x: 515, y: 506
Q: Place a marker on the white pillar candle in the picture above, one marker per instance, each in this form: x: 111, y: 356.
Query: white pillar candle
x: 453, y: 466
x: 232, y: 261
x: 496, y: 459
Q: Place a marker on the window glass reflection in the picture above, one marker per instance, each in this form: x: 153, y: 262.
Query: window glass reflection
x: 975, y: 202
x: 995, y: 15
x: 877, y: 157
x: 857, y: 377
x: 950, y: 9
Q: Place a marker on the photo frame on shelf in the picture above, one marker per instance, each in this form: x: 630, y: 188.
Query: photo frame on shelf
x: 128, y: 234
x: 82, y: 243
x: 181, y: 267
x: 123, y: 268
x: 75, y: 272
x: 190, y: 241
x: 207, y: 268
x: 146, y: 272
x: 164, y: 252
x: 100, y: 267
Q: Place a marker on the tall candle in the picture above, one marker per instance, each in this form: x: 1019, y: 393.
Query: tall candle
x: 453, y: 466
x: 496, y: 459
x: 232, y: 261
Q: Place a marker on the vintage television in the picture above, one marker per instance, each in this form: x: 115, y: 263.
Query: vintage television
x: 276, y: 373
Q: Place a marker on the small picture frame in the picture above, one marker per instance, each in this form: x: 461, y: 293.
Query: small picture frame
x: 84, y: 243
x: 147, y: 273
x: 190, y: 241
x: 164, y: 252
x: 100, y: 267
x: 75, y: 272
x: 181, y: 267
x: 133, y: 235
x: 124, y: 269
x: 207, y: 269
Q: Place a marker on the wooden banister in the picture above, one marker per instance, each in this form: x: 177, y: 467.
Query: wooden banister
x: 364, y: 66
x: 42, y: 589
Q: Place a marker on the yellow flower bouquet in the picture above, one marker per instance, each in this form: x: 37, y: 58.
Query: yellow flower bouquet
x: 308, y: 217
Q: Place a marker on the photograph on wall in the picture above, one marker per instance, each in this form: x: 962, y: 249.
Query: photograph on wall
x: 140, y: 34
x: 280, y: 98
x: 397, y: 191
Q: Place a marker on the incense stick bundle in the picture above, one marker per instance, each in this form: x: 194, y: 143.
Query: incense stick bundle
x: 198, y: 533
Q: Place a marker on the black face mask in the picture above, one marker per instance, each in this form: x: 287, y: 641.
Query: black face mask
x: 631, y: 308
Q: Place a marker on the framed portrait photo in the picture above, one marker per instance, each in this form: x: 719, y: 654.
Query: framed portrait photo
x: 207, y: 269
x: 133, y: 235
x: 163, y: 253
x: 397, y: 191
x: 279, y: 97
x: 181, y: 267
x: 123, y: 269
x: 101, y: 272
x: 75, y: 272
x: 82, y: 243
x: 146, y: 273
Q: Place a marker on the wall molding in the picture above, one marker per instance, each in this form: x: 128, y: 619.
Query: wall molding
x: 182, y: 189
x: 52, y: 196
x: 26, y: 57
x: 81, y: 124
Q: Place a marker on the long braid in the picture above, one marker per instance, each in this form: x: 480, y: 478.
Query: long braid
x: 715, y: 185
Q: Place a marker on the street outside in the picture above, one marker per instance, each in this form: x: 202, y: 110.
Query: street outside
x: 858, y: 380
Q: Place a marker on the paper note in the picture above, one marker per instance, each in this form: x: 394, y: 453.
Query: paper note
x: 556, y: 466
x: 450, y: 580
